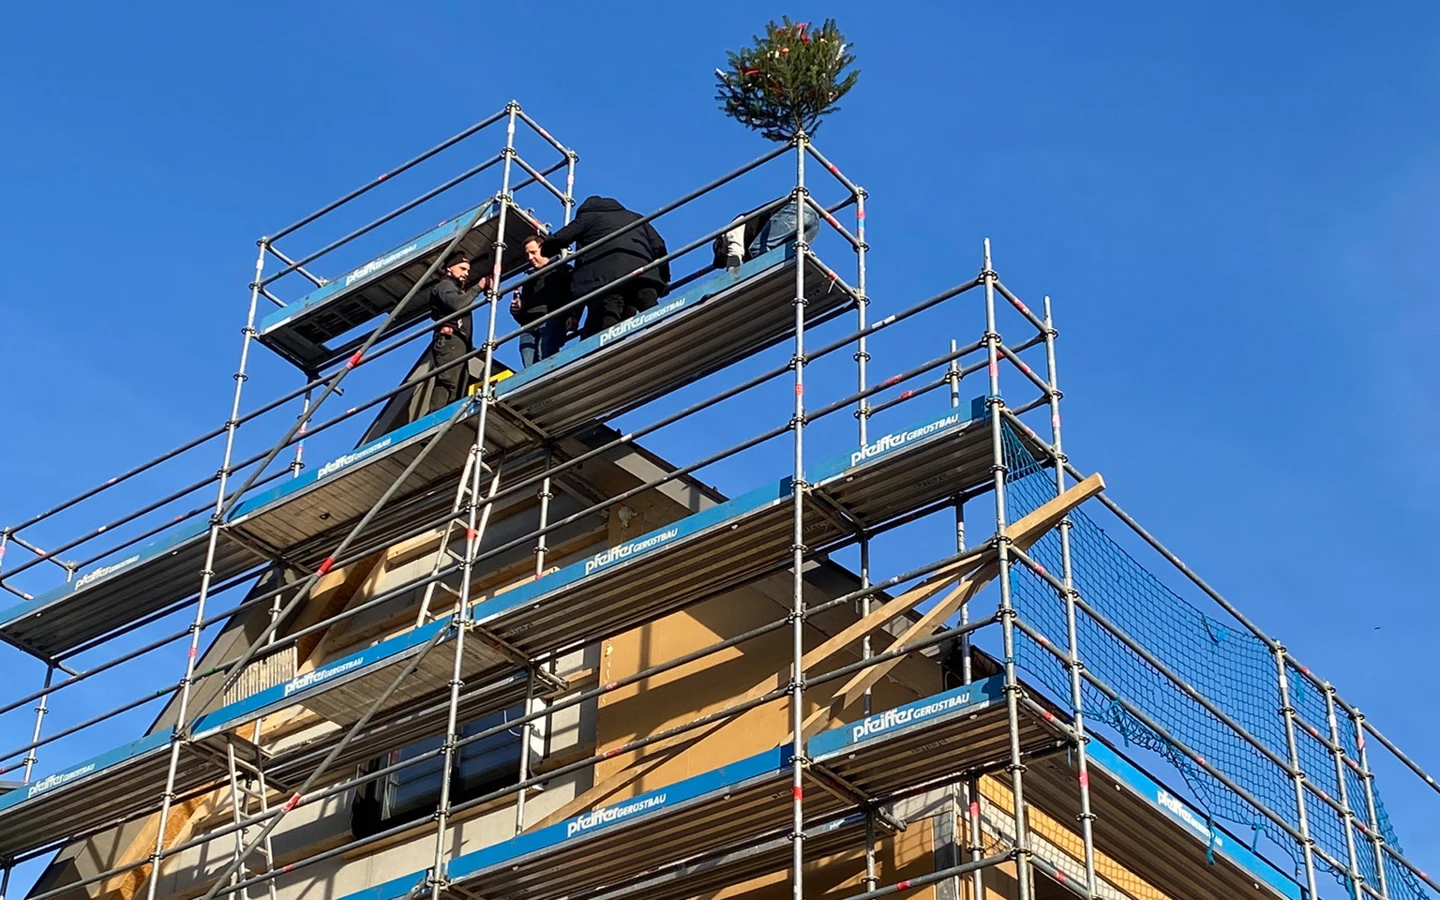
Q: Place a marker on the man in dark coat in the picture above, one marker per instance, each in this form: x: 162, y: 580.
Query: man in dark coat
x: 612, y: 260
x: 540, y: 295
x: 452, y: 338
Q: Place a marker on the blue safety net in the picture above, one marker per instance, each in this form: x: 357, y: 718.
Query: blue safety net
x: 1234, y: 670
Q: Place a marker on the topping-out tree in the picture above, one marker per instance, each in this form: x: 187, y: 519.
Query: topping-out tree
x: 788, y: 80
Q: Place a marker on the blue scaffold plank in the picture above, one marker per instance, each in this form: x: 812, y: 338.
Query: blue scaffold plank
x: 110, y: 786
x: 1189, y: 819
x: 300, y: 688
x: 77, y: 775
x: 669, y: 307
x: 771, y: 765
x: 921, y: 714
x: 298, y: 331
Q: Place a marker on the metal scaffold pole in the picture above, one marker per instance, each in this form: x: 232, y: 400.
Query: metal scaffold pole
x: 217, y: 522
x: 41, y: 708
x: 1074, y: 664
x: 1007, y: 608
x: 569, y: 202
x: 474, y: 530
x: 862, y: 418
x: 1297, y: 774
x: 1347, y: 819
x: 297, y: 465
x: 1372, y: 817
x: 974, y: 837
x: 797, y: 559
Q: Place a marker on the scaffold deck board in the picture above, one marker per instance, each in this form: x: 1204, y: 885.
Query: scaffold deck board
x: 1151, y: 832
x: 706, y: 326
x: 296, y: 518
x: 299, y: 331
x: 403, y: 726
x: 737, y: 540
x: 110, y: 787
x: 961, y: 729
x: 143, y: 581
x: 732, y: 807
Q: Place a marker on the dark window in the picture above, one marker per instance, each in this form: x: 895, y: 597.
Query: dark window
x: 414, y: 792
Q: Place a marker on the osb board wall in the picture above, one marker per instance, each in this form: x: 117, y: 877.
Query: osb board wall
x: 706, y: 685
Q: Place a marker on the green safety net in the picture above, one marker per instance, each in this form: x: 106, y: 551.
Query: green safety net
x: 1222, y: 660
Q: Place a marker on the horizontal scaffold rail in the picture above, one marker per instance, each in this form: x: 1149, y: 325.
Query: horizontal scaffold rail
x: 712, y: 323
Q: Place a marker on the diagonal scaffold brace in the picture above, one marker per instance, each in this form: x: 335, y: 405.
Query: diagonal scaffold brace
x: 298, y: 795
x: 262, y: 639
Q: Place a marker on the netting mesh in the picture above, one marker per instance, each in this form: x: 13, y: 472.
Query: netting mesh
x: 1226, y: 663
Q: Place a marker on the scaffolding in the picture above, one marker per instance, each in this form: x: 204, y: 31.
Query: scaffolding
x: 1255, y: 738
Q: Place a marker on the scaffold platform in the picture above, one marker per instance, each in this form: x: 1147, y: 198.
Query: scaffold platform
x: 299, y: 331
x: 110, y: 787
x: 731, y: 805
x: 1153, y: 833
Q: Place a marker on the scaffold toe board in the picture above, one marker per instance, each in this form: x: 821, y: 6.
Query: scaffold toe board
x: 112, y: 786
x: 1153, y: 833
x: 118, y: 591
x: 710, y: 324
x: 343, y: 689
x: 943, y: 456
x: 612, y: 844
x: 742, y: 538
x: 961, y: 729
x: 299, y: 330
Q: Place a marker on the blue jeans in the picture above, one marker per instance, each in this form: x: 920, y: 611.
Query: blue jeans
x: 541, y: 342
x: 781, y: 229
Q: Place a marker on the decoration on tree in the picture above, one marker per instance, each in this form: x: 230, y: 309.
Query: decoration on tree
x: 788, y: 81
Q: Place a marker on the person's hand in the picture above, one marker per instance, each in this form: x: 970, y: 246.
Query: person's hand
x: 572, y: 323
x: 515, y: 304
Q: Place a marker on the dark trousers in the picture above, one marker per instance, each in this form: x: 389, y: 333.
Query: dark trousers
x: 612, y: 309
x: 541, y: 342
x: 448, y: 386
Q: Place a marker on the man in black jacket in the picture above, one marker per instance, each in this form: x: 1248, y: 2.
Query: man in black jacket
x: 613, y: 259
x: 540, y: 295
x: 452, y: 338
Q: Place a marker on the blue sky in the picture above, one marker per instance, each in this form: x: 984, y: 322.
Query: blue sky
x: 1231, y: 207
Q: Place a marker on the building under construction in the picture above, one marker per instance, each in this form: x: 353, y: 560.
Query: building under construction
x: 505, y: 649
